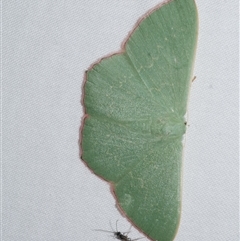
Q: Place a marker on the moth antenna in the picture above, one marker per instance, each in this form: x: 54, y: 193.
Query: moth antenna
x: 129, y: 230
x: 116, y: 226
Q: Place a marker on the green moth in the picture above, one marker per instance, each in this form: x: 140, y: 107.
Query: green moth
x: 135, y: 106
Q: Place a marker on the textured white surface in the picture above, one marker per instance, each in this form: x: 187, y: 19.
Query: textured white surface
x: 48, y: 193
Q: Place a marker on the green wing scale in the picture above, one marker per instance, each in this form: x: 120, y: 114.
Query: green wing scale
x: 135, y: 105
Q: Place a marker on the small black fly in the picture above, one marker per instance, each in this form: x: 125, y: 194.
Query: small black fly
x: 118, y: 235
